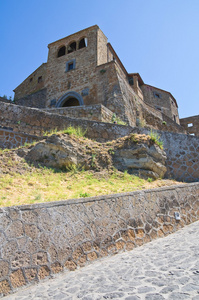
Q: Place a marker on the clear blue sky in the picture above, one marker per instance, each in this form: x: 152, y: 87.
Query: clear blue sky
x: 157, y: 38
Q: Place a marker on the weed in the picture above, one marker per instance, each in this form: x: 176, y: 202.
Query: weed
x: 78, y: 131
x: 117, y: 120
x: 164, y: 123
x: 84, y: 195
x: 155, y: 138
x: 150, y: 179
x: 93, y: 159
x: 134, y: 139
x: 142, y: 123
x: 38, y: 197
x: 111, y: 151
x: 73, y: 168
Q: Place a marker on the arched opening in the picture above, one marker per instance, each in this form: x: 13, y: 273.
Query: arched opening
x: 70, y: 99
x: 71, y: 102
x: 62, y: 51
x: 72, y: 47
x: 83, y: 43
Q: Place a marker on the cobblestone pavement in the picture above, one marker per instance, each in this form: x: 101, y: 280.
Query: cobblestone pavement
x: 167, y: 268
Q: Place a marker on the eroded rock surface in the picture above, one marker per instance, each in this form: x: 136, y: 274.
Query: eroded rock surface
x: 134, y: 153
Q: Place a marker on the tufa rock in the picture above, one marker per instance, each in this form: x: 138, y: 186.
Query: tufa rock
x: 135, y: 153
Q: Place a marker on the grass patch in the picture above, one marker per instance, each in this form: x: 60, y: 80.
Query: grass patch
x: 77, y: 131
x: 46, y: 184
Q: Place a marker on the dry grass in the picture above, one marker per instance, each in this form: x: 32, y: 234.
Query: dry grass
x: 22, y: 183
x: 43, y: 184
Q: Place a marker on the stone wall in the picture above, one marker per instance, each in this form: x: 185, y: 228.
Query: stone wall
x: 5, y: 100
x: 35, y: 100
x: 182, y: 152
x: 32, y: 83
x: 191, y: 124
x: 159, y: 120
x: 161, y: 100
x: 35, y: 122
x: 10, y: 139
x: 182, y: 156
x: 39, y: 240
x: 96, y: 112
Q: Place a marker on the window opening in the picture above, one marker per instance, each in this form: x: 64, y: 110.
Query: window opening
x: 174, y: 117
x: 157, y: 95
x: 70, y: 66
x: 83, y: 43
x: 131, y: 81
x: 31, y: 79
x: 72, y: 47
x: 190, y: 125
x: 39, y: 79
x: 62, y: 51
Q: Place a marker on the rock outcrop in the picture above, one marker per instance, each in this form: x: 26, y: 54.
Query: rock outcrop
x: 135, y: 153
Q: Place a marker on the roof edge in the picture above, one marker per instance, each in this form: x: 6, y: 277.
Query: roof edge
x: 91, y: 27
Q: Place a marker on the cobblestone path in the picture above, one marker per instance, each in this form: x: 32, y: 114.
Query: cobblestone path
x: 166, y: 268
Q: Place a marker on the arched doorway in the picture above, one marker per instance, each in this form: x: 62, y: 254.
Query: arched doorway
x: 70, y: 102
x: 70, y: 99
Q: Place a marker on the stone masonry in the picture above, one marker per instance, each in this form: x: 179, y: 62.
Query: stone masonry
x: 191, y: 125
x: 84, y: 69
x: 10, y: 139
x: 39, y: 240
x: 181, y: 149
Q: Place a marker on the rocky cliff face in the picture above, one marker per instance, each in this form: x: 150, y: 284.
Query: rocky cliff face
x: 135, y: 153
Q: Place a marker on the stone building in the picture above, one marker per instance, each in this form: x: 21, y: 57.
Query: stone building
x: 191, y: 125
x: 83, y: 69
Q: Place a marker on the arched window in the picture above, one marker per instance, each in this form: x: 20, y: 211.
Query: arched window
x: 72, y: 47
x: 62, y: 51
x: 83, y: 43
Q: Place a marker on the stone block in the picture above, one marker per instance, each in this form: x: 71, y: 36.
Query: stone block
x: 4, y: 268
x: 39, y: 258
x: 17, y: 279
x: 44, y: 272
x: 70, y: 265
x: 56, y: 267
x: 4, y: 287
x: 15, y: 229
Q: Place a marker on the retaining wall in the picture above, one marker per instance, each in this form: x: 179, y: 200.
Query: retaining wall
x: 10, y: 139
x: 39, y: 240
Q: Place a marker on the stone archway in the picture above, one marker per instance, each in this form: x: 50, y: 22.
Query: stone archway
x: 70, y: 99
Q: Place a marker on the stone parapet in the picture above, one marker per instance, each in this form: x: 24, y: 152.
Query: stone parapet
x: 96, y: 112
x: 39, y: 240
